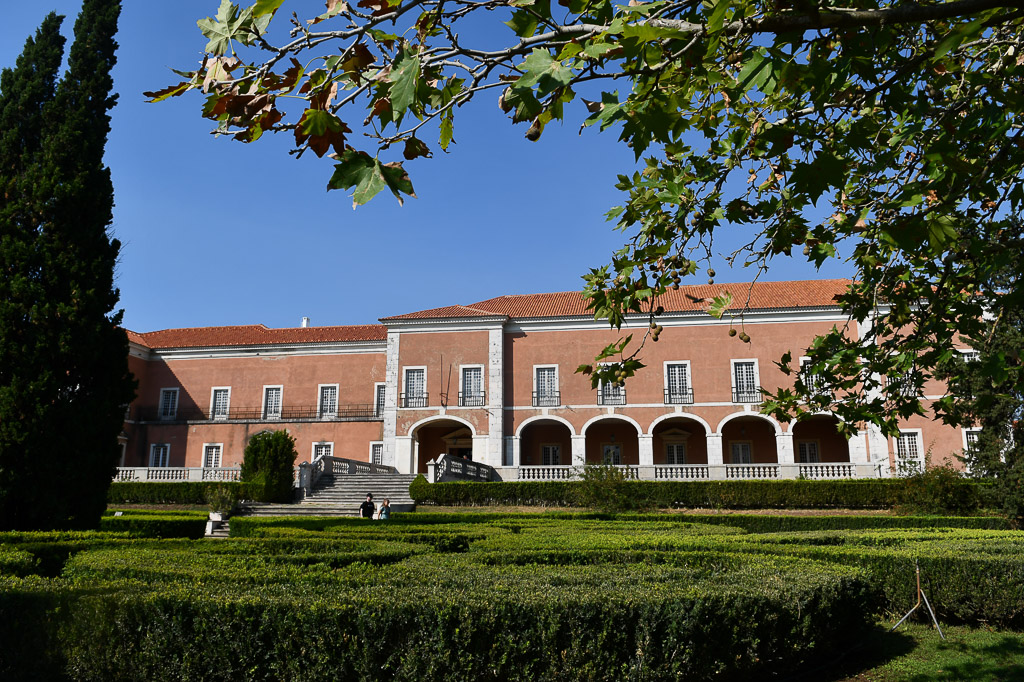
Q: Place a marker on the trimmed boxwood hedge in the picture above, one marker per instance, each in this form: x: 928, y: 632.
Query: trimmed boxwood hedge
x: 775, y: 494
x: 183, y: 492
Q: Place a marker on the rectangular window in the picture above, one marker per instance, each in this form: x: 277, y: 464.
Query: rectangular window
x: 905, y: 383
x: 550, y: 455
x: 211, y: 454
x: 160, y: 455
x: 472, y: 394
x: 328, y: 405
x: 415, y: 387
x: 971, y: 440
x: 970, y: 355
x: 168, y: 403
x: 675, y: 453
x: 813, y: 382
x: 377, y: 453
x: 807, y: 452
x: 611, y: 394
x: 220, y: 403
x: 740, y: 452
x: 611, y: 453
x: 677, y: 384
x: 545, y: 393
x: 322, y: 450
x: 746, y: 388
x: 908, y: 453
x: 272, y: 402
x: 379, y: 393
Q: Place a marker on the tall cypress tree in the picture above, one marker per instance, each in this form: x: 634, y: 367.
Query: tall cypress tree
x: 64, y: 379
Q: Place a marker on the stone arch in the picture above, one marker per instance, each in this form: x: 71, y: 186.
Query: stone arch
x: 679, y: 438
x: 605, y: 417
x: 816, y: 439
x: 549, y: 417
x: 545, y: 441
x: 440, y: 434
x: 757, y: 415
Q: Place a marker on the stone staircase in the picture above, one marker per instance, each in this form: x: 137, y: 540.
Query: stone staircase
x: 341, y: 495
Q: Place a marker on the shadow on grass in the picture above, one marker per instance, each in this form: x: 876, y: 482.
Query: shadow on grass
x: 919, y: 655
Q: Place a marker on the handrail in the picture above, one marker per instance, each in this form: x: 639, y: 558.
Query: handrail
x: 453, y: 468
x: 311, y: 472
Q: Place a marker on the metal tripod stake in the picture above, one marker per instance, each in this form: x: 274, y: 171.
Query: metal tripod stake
x: 920, y: 596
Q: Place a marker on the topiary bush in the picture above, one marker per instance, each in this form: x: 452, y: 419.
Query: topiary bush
x: 268, y: 466
x: 938, y: 490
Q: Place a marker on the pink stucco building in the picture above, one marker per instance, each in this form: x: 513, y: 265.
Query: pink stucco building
x: 494, y: 381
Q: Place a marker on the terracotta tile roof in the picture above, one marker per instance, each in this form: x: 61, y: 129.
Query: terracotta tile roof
x: 256, y: 335
x: 445, y: 313
x: 759, y: 296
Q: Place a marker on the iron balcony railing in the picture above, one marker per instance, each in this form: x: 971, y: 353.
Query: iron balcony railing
x: 611, y: 396
x: 547, y: 398
x: 414, y: 400
x: 681, y: 396
x: 286, y: 413
x: 746, y: 395
x: 472, y: 399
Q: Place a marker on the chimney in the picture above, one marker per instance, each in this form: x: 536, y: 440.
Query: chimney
x: 305, y: 322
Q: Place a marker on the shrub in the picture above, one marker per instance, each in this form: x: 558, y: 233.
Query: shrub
x: 221, y: 498
x: 603, y: 488
x: 268, y: 466
x: 938, y: 490
x: 170, y: 493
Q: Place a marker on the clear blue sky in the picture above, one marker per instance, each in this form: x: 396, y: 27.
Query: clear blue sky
x: 217, y: 232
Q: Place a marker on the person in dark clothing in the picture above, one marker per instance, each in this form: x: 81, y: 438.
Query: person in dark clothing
x: 366, y: 509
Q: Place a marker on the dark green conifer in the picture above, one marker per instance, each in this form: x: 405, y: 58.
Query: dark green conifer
x: 64, y: 379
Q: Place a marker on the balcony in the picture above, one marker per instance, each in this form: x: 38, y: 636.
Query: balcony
x: 682, y: 396
x: 472, y: 399
x: 749, y: 394
x: 414, y: 400
x: 287, y: 413
x: 547, y: 398
x: 611, y: 396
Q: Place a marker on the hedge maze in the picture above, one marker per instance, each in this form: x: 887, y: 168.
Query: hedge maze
x: 482, y: 596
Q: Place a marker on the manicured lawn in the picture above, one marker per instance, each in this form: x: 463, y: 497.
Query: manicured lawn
x: 916, y: 653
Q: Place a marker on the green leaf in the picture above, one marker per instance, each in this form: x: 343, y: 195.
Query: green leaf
x: 229, y: 25
x: 719, y: 304
x: 447, y: 130
x: 404, y: 80
x: 266, y: 7
x: 545, y: 72
x: 523, y: 23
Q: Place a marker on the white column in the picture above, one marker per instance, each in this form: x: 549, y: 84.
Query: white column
x: 495, y: 396
x: 857, y: 446
x: 390, y: 456
x: 784, y: 448
x: 404, y: 455
x: 481, y: 450
x: 715, y: 449
x: 579, y: 451
x: 646, y: 450
x: 517, y: 454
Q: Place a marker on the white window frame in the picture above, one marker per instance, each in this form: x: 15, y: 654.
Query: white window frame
x: 558, y: 382
x: 405, y: 382
x: 808, y: 441
x: 280, y: 408
x: 901, y: 467
x: 614, y: 392
x: 750, y: 451
x: 965, y: 434
x: 483, y: 379
x: 969, y: 354
x: 675, y: 443
x: 213, y: 402
x: 907, y: 389
x: 379, y: 404
x: 319, y: 444
x: 374, y: 444
x: 220, y: 455
x: 604, y: 457
x: 152, y: 452
x: 757, y: 378
x: 320, y: 401
x: 160, y: 408
x: 557, y: 459
x: 689, y: 377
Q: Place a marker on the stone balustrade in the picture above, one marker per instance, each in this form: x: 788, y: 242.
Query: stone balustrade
x: 176, y: 474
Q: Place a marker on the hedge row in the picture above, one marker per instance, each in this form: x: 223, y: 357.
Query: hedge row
x: 184, y: 492
x: 776, y: 494
x: 156, y: 525
x: 437, y: 618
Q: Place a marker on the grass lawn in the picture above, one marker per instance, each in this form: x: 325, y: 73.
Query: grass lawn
x: 916, y: 653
